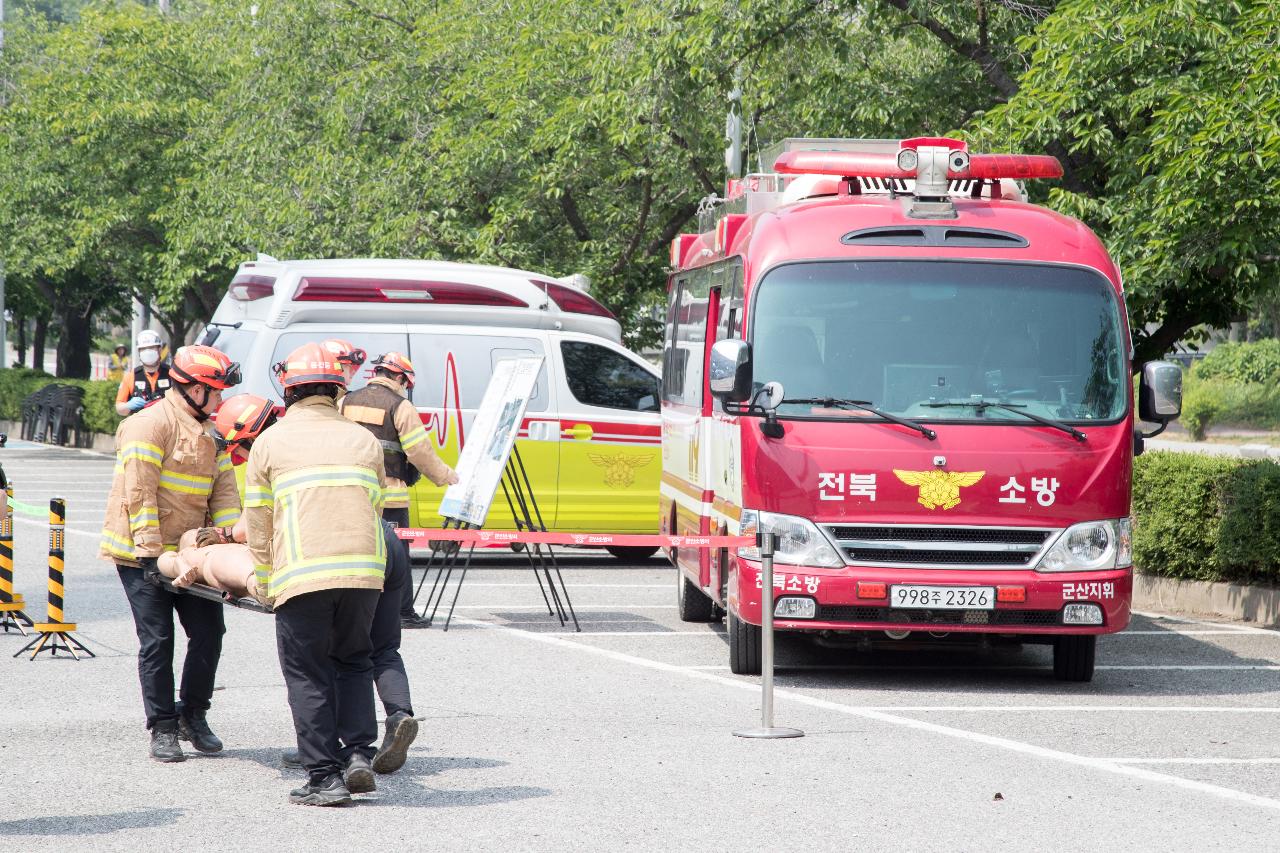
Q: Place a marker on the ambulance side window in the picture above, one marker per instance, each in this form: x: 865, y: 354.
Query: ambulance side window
x: 454, y: 370
x: 598, y: 376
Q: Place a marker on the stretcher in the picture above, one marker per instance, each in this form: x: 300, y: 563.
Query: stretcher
x: 199, y: 590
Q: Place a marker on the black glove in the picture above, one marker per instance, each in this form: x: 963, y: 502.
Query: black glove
x: 151, y: 570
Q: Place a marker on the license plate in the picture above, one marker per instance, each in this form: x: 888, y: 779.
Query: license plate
x: 943, y: 597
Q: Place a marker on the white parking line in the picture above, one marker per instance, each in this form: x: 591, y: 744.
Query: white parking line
x: 45, y: 525
x: 1072, y: 709
x: 586, y: 635
x: 580, y: 585
x: 805, y: 667
x: 905, y: 722
x: 576, y: 606
x: 1193, y: 760
x: 1173, y: 633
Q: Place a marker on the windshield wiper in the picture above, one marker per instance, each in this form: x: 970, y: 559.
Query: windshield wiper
x: 866, y: 406
x: 1017, y: 409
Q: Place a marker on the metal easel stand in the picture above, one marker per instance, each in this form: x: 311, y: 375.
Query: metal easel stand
x: 767, y: 729
x: 518, y: 492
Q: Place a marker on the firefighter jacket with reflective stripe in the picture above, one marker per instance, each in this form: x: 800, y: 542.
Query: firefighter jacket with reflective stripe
x: 313, y: 503
x: 381, y: 406
x: 169, y: 478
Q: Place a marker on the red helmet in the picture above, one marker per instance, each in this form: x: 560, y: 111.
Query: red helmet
x: 201, y: 365
x: 310, y: 364
x: 394, y: 362
x: 242, y: 418
x: 345, y: 351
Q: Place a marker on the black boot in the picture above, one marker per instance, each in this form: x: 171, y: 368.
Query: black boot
x: 326, y: 790
x: 360, y: 775
x: 413, y: 621
x: 291, y: 759
x: 164, y: 742
x: 401, y: 730
x: 194, y: 728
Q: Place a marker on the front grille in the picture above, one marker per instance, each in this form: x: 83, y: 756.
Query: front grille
x: 885, y: 615
x: 963, y: 547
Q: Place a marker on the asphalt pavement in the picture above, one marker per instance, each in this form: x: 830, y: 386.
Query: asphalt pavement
x: 535, y: 737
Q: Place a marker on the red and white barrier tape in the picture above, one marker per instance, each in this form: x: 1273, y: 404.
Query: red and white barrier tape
x: 592, y: 540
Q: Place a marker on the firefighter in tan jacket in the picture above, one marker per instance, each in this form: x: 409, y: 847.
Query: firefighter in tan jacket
x: 384, y: 408
x: 313, y: 493
x: 170, y: 478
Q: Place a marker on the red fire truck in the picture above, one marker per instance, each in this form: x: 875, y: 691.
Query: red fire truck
x: 880, y: 352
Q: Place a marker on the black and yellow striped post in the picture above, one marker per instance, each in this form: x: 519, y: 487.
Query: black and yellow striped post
x: 56, y: 633
x: 11, y: 614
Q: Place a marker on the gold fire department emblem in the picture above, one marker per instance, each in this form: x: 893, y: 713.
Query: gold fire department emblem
x: 620, y: 469
x: 939, y: 488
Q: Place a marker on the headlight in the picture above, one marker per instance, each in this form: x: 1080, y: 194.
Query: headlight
x: 1091, y: 546
x: 799, y: 543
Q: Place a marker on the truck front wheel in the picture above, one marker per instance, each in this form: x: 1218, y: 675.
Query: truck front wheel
x: 1073, y: 657
x: 744, y: 646
x: 692, y: 604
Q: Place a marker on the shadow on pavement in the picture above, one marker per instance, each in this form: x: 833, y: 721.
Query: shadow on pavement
x: 99, y: 824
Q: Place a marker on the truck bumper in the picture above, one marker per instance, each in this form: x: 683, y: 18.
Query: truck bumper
x: 839, y: 607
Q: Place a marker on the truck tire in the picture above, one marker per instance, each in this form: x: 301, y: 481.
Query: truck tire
x: 744, y: 646
x: 630, y: 553
x: 1073, y: 657
x: 692, y: 604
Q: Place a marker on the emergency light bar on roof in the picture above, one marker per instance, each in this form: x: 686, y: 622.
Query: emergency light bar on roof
x: 333, y: 289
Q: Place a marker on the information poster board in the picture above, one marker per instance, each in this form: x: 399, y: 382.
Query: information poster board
x: 490, y: 439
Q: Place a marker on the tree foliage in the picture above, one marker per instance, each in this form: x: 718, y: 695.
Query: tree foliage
x: 155, y: 153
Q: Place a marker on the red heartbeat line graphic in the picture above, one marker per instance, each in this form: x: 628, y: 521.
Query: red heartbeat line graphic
x: 439, y: 421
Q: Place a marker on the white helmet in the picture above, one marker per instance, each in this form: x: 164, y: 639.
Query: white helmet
x: 149, y: 338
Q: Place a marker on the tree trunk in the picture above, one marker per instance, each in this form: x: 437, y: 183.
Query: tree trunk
x: 20, y: 324
x: 75, y: 342
x: 37, y: 343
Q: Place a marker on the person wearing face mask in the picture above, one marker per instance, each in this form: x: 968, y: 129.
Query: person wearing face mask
x: 170, y: 478
x: 148, y: 381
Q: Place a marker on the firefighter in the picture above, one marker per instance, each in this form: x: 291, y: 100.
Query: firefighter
x: 383, y: 407
x: 313, y: 491
x: 148, y: 381
x: 170, y: 477
x: 389, y: 674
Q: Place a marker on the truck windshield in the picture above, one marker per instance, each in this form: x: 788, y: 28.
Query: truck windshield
x: 910, y: 335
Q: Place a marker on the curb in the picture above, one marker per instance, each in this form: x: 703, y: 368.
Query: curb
x: 1240, y: 602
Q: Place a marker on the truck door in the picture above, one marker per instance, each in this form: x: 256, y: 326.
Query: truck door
x: 453, y: 370
x: 610, y: 442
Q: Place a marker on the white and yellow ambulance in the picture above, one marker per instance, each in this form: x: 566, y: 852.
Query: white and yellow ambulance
x: 590, y: 440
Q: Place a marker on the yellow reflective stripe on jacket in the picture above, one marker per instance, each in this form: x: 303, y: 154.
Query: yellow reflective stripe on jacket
x: 262, y: 574
x: 114, y: 543
x: 413, y: 438
x: 146, y: 517
x: 226, y: 517
x: 393, y: 495
x: 326, y: 475
x: 292, y: 534
x: 224, y: 463
x: 323, y: 568
x: 187, y: 484
x: 141, y: 450
x: 258, y: 496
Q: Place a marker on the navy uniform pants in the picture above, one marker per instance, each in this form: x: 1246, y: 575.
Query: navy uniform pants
x: 389, y: 675
x: 153, y: 609
x: 325, y: 654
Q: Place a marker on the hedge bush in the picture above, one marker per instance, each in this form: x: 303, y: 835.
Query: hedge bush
x: 18, y: 383
x: 1253, y: 362
x: 1206, y: 518
x: 1225, y: 402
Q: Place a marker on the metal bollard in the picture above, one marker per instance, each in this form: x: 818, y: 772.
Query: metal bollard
x: 11, y: 614
x: 56, y: 629
x: 767, y: 729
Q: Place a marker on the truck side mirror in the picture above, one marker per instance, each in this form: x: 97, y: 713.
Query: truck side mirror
x: 730, y: 376
x: 1160, y: 394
